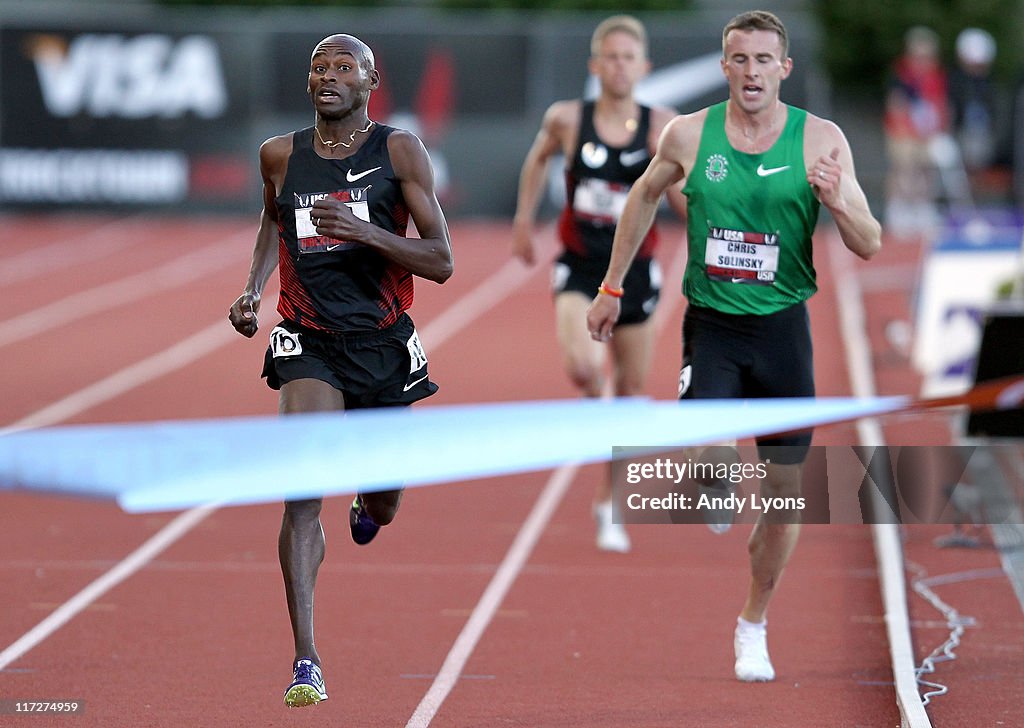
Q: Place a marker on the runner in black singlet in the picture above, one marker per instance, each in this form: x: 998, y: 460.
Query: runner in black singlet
x: 337, y: 198
x: 607, y: 144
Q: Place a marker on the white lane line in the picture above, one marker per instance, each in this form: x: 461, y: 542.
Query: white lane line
x: 44, y: 260
x: 472, y: 305
x: 172, y: 274
x: 514, y: 561
x: 125, y: 568
x: 175, y: 357
x: 888, y: 549
x: 493, y: 596
x: 185, y: 352
x: 487, y: 294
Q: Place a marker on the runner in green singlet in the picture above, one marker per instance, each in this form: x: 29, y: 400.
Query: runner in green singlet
x: 754, y: 171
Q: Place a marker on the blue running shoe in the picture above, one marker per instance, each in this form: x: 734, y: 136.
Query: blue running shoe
x: 307, y: 686
x: 362, y: 526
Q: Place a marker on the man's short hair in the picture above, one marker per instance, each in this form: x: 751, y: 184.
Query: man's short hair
x: 618, y: 24
x: 365, y: 54
x: 758, y: 20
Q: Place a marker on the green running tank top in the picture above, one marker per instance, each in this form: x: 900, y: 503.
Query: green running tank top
x: 750, y: 222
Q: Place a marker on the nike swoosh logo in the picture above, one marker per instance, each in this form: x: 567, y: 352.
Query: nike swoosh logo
x: 353, y: 177
x: 410, y: 386
x: 762, y: 172
x: 628, y: 159
x: 739, y: 280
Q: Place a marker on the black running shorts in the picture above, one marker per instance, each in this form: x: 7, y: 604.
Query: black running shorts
x: 642, y: 284
x: 383, y: 368
x: 728, y: 356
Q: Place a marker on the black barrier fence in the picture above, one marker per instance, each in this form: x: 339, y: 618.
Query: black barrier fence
x: 917, y: 484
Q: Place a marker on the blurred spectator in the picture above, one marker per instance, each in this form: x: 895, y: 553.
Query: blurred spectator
x: 972, y: 93
x: 916, y: 117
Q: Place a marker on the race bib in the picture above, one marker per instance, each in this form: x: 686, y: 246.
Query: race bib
x: 599, y: 200
x: 736, y: 256
x: 417, y: 363
x: 559, y: 277
x: 284, y: 343
x: 308, y: 239
x: 685, y: 377
x: 417, y: 357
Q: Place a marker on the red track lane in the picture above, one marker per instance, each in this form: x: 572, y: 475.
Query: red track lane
x: 984, y: 679
x: 200, y: 635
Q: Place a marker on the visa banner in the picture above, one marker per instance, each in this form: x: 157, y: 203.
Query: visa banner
x: 122, y: 118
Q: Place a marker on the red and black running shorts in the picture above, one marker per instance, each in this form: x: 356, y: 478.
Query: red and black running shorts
x: 384, y: 368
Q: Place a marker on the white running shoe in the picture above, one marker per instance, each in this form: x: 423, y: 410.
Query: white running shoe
x: 751, y: 644
x: 718, y: 519
x: 610, y: 536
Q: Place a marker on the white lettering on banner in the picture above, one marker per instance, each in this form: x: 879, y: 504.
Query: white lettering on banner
x: 93, y: 175
x: 133, y: 78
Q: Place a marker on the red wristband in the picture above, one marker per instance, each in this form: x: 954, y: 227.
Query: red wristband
x: 609, y: 291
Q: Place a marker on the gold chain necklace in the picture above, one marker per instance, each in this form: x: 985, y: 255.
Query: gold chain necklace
x: 351, y: 138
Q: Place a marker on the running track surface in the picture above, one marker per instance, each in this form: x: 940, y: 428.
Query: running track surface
x: 124, y: 319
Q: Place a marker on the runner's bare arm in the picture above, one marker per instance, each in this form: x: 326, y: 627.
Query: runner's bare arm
x: 660, y: 118
x: 551, y: 138
x: 274, y: 155
x: 832, y: 174
x: 665, y: 169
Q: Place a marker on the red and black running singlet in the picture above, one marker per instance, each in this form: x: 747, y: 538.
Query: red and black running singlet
x: 597, y: 180
x: 338, y: 285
